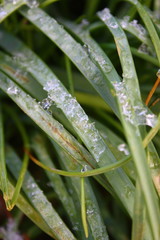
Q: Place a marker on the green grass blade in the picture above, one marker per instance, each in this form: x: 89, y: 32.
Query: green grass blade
x: 129, y: 73
x: 38, y: 199
x: 8, y: 8
x: 72, y: 49
x: 54, y: 129
x: 98, y: 147
x: 83, y: 208
x: 138, y: 218
x: 39, y: 146
x: 3, y: 170
x: 94, y: 218
x: 69, y: 75
x: 136, y: 29
x: 134, y: 140
x: 25, y: 158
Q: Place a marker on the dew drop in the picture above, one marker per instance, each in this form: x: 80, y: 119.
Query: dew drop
x: 84, y: 169
x: 123, y: 148
x: 113, y: 25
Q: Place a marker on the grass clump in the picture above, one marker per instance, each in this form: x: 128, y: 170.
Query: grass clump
x: 73, y: 86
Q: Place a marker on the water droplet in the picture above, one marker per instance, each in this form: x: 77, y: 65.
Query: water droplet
x: 105, y: 14
x: 13, y: 90
x: 124, y: 22
x: 123, y: 148
x: 32, y: 3
x: 46, y: 103
x: 84, y: 169
x: 86, y: 48
x: 113, y: 25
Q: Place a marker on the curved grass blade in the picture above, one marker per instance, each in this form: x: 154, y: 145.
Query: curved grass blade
x: 149, y: 26
x: 72, y: 49
x: 136, y: 29
x: 88, y: 134
x: 138, y: 218
x: 94, y: 218
x: 129, y: 73
x: 54, y: 129
x: 38, y: 199
x: 9, y: 7
x: 23, y: 204
x: 134, y: 139
x: 39, y: 146
x: 85, y: 153
x: 3, y: 170
x: 25, y: 158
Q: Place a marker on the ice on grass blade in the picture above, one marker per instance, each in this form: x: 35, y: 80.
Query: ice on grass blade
x: 46, y: 103
x: 13, y: 90
x: 123, y: 148
x: 74, y: 112
x: 105, y: 14
x: 10, y: 232
x: 124, y: 22
x: 32, y: 3
x: 143, y: 48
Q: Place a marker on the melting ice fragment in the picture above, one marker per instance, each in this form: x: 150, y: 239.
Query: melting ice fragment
x: 49, y: 86
x: 105, y: 14
x: 124, y: 22
x: 123, y: 148
x: 113, y: 25
x: 13, y: 90
x: 151, y: 120
x: 46, y: 103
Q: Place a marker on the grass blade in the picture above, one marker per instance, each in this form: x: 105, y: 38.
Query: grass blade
x: 72, y: 49
x: 130, y: 128
x: 83, y: 208
x: 3, y: 170
x: 39, y: 201
x: 9, y: 7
